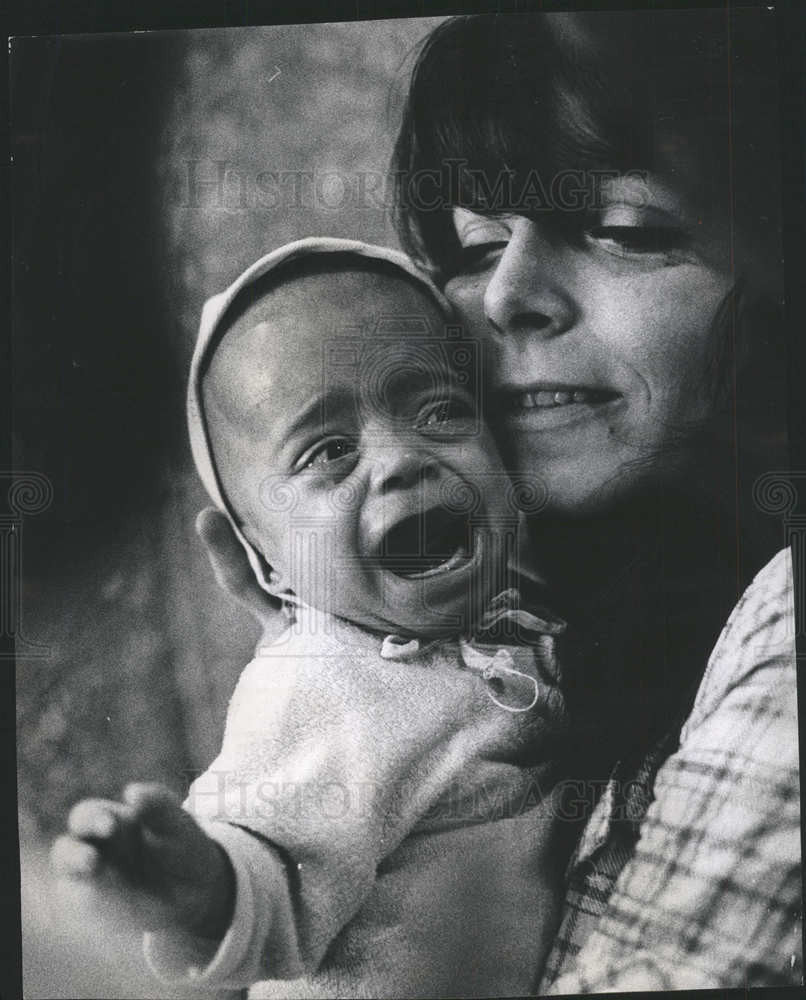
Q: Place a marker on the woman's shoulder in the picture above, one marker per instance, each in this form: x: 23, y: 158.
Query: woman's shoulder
x: 753, y: 660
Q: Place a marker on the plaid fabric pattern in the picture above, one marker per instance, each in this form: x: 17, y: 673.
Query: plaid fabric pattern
x: 688, y: 874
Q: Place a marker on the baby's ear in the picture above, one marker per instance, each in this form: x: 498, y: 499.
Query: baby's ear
x: 275, y: 582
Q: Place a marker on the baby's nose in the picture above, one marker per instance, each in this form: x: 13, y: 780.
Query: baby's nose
x: 401, y: 468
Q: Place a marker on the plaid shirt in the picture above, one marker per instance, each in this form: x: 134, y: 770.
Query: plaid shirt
x: 687, y: 874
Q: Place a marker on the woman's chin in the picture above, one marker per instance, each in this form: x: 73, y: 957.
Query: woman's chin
x: 587, y: 487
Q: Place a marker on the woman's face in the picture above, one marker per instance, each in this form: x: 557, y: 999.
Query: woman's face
x: 598, y: 345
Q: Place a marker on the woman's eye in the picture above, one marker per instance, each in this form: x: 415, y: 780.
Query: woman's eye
x: 625, y: 240
x: 329, y: 451
x: 478, y: 256
x: 481, y: 239
x: 439, y: 415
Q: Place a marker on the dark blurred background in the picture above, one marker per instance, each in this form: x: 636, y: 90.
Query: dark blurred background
x: 148, y: 170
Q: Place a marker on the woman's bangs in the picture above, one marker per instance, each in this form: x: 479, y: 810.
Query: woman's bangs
x: 509, y: 141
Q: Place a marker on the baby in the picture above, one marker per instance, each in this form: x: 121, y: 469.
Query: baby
x: 379, y: 821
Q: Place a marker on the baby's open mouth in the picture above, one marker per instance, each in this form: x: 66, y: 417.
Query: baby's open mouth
x: 426, y: 544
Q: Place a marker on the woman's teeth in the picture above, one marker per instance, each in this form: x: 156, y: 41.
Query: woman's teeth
x: 561, y: 397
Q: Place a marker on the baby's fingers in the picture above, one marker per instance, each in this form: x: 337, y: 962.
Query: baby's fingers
x: 88, y: 888
x: 73, y: 858
x: 114, y: 830
x: 174, y: 845
x: 96, y: 819
x: 156, y: 806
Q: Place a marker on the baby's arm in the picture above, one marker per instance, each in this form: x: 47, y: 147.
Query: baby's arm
x: 147, y: 859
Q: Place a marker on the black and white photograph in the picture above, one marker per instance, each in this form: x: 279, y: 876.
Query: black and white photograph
x: 404, y: 549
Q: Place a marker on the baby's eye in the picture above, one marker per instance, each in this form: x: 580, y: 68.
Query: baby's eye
x: 328, y: 452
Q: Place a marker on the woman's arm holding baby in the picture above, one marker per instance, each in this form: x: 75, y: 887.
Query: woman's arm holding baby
x: 149, y: 859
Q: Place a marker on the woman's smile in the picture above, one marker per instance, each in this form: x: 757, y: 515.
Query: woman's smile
x: 545, y: 406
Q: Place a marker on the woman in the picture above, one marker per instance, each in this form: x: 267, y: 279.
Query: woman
x: 587, y: 190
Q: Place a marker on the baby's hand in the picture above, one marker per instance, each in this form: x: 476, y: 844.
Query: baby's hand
x: 148, y: 858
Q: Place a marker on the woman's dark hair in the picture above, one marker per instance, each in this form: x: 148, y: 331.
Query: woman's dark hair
x: 505, y: 112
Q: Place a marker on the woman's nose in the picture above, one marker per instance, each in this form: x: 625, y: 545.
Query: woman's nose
x: 529, y: 290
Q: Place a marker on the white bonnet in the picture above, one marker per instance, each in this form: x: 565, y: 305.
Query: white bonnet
x: 212, y: 314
